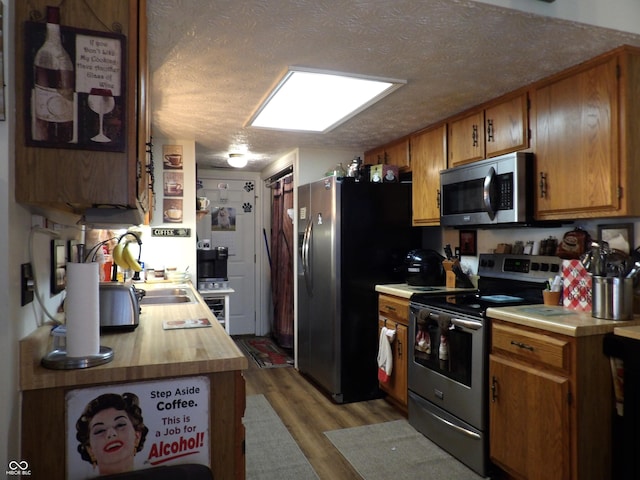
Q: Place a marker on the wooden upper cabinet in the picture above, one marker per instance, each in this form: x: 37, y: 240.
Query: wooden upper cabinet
x: 428, y: 157
x: 374, y: 156
x: 143, y: 138
x: 76, y: 179
x: 497, y: 128
x: 398, y: 154
x: 394, y: 153
x: 466, y: 139
x: 507, y: 126
x: 587, y: 158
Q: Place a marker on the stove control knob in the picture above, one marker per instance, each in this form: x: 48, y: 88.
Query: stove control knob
x: 544, y: 267
x: 535, y: 266
x: 555, y: 267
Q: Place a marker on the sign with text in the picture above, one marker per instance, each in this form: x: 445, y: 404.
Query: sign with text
x: 170, y: 232
x: 120, y: 428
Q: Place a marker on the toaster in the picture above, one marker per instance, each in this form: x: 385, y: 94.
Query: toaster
x: 119, y: 306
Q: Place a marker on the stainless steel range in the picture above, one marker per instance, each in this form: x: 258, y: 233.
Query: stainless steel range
x: 448, y: 364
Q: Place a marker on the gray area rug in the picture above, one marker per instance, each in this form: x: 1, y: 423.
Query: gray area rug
x: 271, y: 452
x: 395, y: 450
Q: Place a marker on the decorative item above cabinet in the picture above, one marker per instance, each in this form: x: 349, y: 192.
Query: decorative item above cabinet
x: 76, y: 176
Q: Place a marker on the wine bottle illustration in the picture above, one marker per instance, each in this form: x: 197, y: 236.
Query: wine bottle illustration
x: 54, y: 83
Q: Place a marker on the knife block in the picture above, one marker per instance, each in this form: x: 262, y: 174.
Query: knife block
x: 450, y: 276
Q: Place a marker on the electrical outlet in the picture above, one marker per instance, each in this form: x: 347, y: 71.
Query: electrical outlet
x: 26, y: 284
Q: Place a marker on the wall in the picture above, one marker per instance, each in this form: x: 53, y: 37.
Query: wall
x: 619, y: 15
x: 179, y: 252
x: 488, y: 239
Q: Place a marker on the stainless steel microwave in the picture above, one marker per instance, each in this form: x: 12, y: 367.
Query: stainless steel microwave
x: 489, y: 192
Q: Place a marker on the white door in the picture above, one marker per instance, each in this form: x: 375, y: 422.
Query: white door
x: 231, y: 223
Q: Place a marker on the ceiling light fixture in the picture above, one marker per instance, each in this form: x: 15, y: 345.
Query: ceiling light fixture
x: 319, y: 100
x: 237, y: 160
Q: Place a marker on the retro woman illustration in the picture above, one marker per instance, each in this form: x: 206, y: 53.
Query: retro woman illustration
x: 110, y: 432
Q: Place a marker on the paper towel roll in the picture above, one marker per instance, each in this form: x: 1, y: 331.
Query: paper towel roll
x: 82, y: 308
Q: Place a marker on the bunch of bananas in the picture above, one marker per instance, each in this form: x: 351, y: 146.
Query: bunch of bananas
x: 124, y: 259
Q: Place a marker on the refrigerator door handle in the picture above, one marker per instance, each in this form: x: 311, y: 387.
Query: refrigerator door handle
x: 306, y: 245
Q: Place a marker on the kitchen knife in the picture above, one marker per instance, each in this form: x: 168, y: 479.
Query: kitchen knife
x: 448, y: 252
x: 463, y: 279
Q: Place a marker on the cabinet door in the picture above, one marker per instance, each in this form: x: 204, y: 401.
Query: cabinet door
x: 396, y: 387
x: 398, y: 154
x: 75, y: 179
x: 428, y: 157
x: 577, y: 152
x: 374, y: 157
x: 143, y: 139
x: 507, y: 126
x: 466, y: 139
x: 529, y: 418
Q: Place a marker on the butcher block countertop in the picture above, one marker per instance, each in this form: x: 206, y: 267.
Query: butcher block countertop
x: 560, y: 320
x: 148, y: 352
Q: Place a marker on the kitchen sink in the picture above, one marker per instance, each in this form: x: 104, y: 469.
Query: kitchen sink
x: 167, y: 296
x: 166, y: 300
x: 167, y: 292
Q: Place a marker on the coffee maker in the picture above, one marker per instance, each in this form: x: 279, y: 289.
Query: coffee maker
x: 212, y: 268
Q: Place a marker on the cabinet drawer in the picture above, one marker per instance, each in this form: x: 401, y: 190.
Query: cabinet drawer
x: 531, y: 346
x: 393, y: 309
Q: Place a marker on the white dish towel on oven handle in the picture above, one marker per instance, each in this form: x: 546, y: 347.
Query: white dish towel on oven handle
x: 385, y: 357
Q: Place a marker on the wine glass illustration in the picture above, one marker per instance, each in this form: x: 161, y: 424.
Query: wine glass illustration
x: 101, y: 101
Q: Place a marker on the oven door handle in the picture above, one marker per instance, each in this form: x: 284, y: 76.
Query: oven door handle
x: 457, y: 428
x: 469, y: 324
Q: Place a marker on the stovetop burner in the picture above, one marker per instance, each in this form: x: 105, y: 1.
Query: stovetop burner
x: 505, y: 280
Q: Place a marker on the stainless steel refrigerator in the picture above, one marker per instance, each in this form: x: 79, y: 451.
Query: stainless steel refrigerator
x: 351, y: 236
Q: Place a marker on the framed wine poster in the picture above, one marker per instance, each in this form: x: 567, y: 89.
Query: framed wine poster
x: 76, y: 93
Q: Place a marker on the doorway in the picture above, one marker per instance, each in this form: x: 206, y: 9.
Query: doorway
x: 281, y: 261
x: 231, y: 222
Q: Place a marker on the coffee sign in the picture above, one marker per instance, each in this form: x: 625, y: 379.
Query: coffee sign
x: 170, y: 232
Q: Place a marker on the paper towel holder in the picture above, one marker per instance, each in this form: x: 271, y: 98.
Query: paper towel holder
x: 58, y: 359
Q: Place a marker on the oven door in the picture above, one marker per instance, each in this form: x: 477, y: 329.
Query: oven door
x: 447, y: 362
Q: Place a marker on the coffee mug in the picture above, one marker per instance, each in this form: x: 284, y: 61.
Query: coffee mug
x: 204, y: 244
x: 173, y: 187
x: 203, y: 203
x: 175, y: 159
x: 173, y: 214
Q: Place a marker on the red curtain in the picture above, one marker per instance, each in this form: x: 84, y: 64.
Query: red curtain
x: 282, y: 262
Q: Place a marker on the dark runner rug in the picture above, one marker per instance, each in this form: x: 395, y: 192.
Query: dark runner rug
x: 265, y: 352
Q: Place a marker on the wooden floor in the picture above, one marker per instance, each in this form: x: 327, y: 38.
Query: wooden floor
x: 307, y: 413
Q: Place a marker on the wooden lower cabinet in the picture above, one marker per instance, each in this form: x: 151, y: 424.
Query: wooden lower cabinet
x: 44, y: 442
x: 549, y: 404
x: 393, y: 312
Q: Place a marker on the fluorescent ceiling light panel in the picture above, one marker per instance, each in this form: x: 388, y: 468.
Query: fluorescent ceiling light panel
x: 318, y: 101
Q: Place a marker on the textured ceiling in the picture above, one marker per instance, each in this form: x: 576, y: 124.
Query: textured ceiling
x: 213, y: 61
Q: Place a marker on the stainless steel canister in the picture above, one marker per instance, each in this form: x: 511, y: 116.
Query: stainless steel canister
x: 612, y: 298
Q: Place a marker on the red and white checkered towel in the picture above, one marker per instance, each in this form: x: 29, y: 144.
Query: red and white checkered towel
x: 576, y: 286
